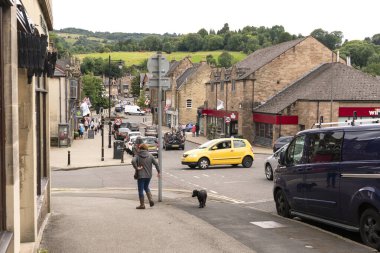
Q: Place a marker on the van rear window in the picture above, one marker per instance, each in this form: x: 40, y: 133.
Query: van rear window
x: 362, y: 145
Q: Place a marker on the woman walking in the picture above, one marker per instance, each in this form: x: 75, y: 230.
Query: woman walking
x: 143, y: 162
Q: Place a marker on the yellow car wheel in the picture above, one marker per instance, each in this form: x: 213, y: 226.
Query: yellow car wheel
x: 203, y: 163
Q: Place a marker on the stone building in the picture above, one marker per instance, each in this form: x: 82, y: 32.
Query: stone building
x: 64, y: 100
x: 170, y: 113
x: 191, y: 94
x: 333, y: 90
x: 254, y: 80
x: 26, y: 64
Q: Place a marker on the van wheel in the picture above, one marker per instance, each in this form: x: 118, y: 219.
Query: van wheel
x: 282, y: 205
x: 370, y: 228
x: 268, y: 172
x: 203, y: 163
x: 247, y: 162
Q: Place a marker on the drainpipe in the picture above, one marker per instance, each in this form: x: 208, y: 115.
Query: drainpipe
x: 60, y: 102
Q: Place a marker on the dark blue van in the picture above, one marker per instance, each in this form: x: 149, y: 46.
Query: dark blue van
x: 332, y: 175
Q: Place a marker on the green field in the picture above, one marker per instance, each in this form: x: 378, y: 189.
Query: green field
x: 135, y: 58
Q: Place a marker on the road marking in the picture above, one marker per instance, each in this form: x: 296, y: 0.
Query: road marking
x: 268, y: 224
x: 196, y: 176
x: 213, y: 192
x: 235, y: 201
x: 234, y: 182
x: 196, y: 185
x: 182, y: 180
x: 205, y: 175
x: 260, y: 201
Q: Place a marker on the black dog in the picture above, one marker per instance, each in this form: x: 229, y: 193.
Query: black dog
x: 202, y: 197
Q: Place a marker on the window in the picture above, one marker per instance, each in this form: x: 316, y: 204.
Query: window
x: 212, y: 87
x: 223, y: 145
x: 221, y: 86
x: 324, y: 147
x: 294, y: 155
x: 239, y: 144
x: 363, y: 145
x: 73, y: 89
x: 264, y: 130
x: 189, y: 103
x: 233, y: 85
x: 2, y: 141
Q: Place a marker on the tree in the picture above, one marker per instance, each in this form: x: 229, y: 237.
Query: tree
x: 210, y: 60
x: 213, y: 42
x: 376, y: 39
x: 93, y: 88
x: 135, y: 86
x: 359, y: 51
x: 141, y: 100
x: 225, y: 59
x: 203, y: 32
x: 331, y: 40
x: 224, y: 30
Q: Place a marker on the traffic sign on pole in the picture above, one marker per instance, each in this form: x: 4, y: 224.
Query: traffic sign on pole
x: 164, y: 82
x: 153, y: 63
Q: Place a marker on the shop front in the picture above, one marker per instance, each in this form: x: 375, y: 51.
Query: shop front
x: 362, y: 113
x: 269, y: 127
x: 219, y: 124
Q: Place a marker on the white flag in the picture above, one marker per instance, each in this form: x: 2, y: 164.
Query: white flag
x: 220, y: 105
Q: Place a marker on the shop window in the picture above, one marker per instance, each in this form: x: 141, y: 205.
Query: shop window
x: 264, y: 130
x: 189, y: 103
x: 233, y: 85
x: 212, y: 87
x: 221, y: 86
x: 73, y: 89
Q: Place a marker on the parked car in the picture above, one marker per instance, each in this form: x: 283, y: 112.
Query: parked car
x: 121, y: 133
x: 189, y: 126
x: 133, y: 126
x: 331, y: 175
x: 281, y: 141
x: 131, y: 134
x: 151, y: 131
x: 222, y: 151
x: 130, y: 143
x: 272, y: 162
x: 174, y: 140
x: 119, y: 108
x: 152, y: 144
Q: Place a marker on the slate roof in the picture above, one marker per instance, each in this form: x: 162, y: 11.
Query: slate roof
x: 172, y: 66
x: 346, y: 83
x: 187, y: 74
x: 263, y: 56
x: 59, y: 71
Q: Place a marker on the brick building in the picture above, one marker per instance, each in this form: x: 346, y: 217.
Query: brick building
x: 333, y: 90
x: 256, y: 79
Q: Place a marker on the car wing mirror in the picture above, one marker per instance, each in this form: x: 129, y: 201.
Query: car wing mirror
x: 281, y: 160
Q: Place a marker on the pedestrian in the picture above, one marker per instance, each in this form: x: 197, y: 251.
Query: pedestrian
x: 183, y: 128
x: 81, y: 130
x: 197, y: 129
x: 142, y: 163
x: 92, y: 124
x: 193, y: 130
x: 96, y: 127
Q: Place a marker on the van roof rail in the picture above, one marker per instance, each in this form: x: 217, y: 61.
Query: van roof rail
x: 352, y: 122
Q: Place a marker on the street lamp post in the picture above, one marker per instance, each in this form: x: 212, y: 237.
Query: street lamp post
x: 120, y: 65
x: 102, y: 129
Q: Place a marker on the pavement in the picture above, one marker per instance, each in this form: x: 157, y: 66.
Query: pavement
x: 105, y: 219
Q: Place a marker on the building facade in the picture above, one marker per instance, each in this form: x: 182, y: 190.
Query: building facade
x: 256, y: 79
x: 26, y: 64
x: 333, y: 92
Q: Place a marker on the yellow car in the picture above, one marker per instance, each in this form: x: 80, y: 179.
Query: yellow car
x: 220, y: 152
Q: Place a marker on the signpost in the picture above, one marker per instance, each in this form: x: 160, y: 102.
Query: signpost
x: 159, y: 66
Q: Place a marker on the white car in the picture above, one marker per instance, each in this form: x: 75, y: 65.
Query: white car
x: 271, y: 162
x: 130, y: 143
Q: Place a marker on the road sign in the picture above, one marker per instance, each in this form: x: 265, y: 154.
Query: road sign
x: 164, y: 82
x: 227, y: 120
x: 118, y: 121
x: 152, y: 65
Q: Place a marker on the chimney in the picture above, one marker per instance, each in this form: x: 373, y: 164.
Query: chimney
x: 337, y: 56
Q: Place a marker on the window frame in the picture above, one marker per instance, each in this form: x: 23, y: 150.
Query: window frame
x: 2, y: 136
x: 233, y: 85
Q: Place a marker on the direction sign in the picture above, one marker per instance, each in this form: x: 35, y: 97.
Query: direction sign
x: 164, y: 82
x: 152, y: 65
x: 118, y: 121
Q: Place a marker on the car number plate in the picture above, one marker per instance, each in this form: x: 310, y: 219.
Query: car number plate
x: 175, y: 146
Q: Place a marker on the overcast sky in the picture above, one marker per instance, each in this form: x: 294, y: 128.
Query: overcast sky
x: 356, y: 19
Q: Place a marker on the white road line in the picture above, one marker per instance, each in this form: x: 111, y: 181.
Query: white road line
x: 196, y: 176
x: 259, y: 201
x: 182, y: 180
x: 234, y: 182
x: 205, y: 175
x: 213, y: 192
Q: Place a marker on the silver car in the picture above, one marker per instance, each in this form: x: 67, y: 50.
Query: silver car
x: 272, y: 162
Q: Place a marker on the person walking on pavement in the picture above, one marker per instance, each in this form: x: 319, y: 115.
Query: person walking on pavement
x: 193, y: 130
x: 197, y: 129
x: 143, y: 163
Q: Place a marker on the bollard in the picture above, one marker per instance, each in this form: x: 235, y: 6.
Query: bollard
x: 68, y: 158
x: 122, y: 156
